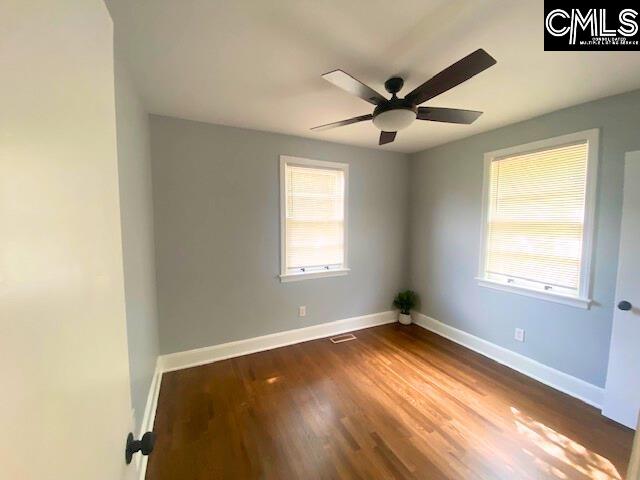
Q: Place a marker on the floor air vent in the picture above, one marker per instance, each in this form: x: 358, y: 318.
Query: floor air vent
x: 343, y: 338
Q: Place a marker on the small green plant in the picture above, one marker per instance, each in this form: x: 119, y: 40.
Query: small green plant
x: 405, y: 301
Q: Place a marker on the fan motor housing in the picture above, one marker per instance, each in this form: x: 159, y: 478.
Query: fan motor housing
x: 394, y: 104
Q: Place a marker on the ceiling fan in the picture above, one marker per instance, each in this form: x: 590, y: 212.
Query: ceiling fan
x: 391, y: 115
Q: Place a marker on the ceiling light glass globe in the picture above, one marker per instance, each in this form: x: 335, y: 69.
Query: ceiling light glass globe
x: 394, y: 120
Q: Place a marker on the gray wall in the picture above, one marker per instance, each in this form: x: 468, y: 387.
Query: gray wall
x: 217, y: 237
x: 216, y: 197
x: 446, y: 195
x: 136, y: 211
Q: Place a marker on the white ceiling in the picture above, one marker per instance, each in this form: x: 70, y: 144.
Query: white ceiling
x: 257, y: 63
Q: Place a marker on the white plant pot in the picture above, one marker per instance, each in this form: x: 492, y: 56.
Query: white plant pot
x: 404, y: 319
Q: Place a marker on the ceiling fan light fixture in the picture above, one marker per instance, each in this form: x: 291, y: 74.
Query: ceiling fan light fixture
x: 394, y: 120
x: 393, y: 114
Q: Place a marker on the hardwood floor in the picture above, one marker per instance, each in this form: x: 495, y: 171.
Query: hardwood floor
x: 398, y: 402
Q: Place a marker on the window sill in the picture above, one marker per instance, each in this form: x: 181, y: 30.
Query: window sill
x: 577, y: 302
x: 294, y: 277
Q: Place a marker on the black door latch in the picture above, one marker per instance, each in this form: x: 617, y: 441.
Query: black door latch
x: 144, y: 445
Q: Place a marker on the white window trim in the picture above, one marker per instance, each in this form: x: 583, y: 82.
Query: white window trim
x: 583, y: 299
x: 336, y: 272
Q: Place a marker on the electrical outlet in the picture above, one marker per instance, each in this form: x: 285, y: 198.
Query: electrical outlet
x: 302, y: 311
x: 519, y: 335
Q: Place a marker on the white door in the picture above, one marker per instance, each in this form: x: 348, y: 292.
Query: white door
x: 622, y: 395
x: 64, y: 393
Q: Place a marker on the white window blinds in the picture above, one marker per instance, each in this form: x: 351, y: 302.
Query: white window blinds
x: 535, y: 222
x: 314, y: 218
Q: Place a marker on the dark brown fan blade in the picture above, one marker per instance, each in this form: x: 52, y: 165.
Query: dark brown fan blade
x: 448, y: 115
x: 349, y: 121
x: 387, y: 137
x: 459, y: 72
x: 354, y: 86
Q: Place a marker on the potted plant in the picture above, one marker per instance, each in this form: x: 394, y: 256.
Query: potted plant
x: 404, y: 302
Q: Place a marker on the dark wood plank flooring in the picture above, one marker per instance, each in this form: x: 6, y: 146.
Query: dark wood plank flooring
x: 398, y: 402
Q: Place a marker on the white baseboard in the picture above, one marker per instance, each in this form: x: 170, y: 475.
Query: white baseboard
x: 587, y: 392
x: 201, y: 356
x: 149, y: 418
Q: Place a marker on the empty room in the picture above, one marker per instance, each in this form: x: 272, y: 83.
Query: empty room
x: 319, y: 239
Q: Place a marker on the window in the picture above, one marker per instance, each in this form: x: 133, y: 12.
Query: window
x: 313, y: 218
x: 538, y: 210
